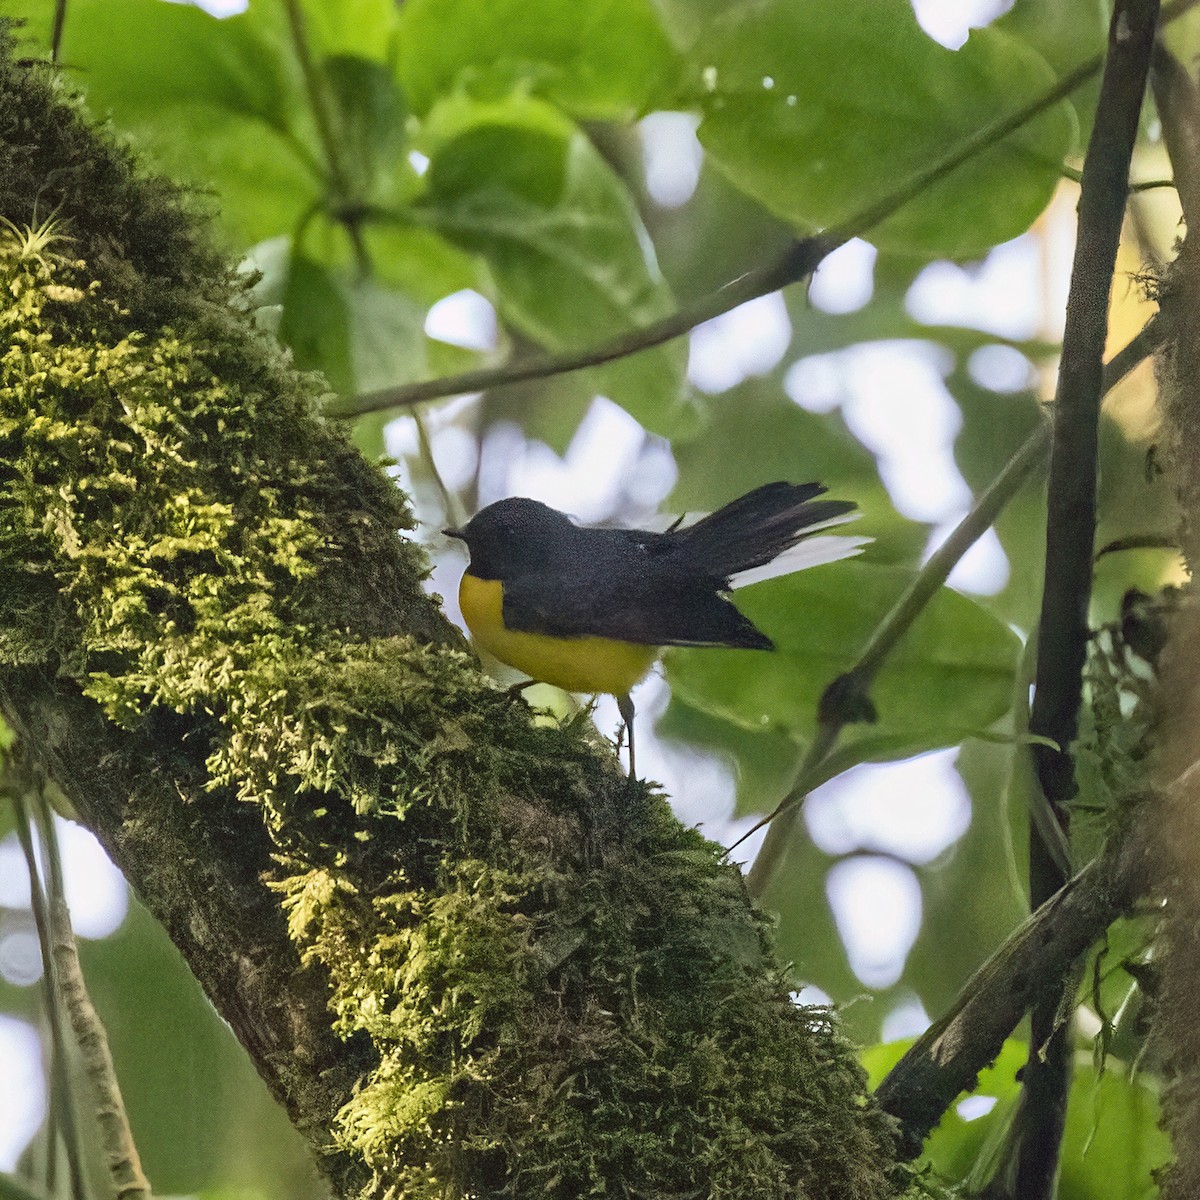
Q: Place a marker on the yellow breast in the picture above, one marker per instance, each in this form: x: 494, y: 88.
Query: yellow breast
x: 582, y: 664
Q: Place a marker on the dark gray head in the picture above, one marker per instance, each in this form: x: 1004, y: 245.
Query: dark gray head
x: 512, y: 537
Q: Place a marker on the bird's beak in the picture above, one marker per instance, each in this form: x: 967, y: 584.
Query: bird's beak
x: 455, y: 533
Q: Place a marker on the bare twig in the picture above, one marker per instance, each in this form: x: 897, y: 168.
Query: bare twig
x: 61, y: 1098
x: 112, y: 1122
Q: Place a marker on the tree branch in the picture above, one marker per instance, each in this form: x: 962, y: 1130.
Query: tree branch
x: 1029, y: 1167
x: 1023, y: 972
x: 214, y: 639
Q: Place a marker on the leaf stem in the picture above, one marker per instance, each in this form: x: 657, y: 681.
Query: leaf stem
x: 318, y: 101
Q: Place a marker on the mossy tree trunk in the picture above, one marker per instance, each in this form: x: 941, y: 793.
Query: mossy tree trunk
x: 459, y: 948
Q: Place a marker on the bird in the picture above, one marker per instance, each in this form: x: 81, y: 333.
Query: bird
x: 589, y: 609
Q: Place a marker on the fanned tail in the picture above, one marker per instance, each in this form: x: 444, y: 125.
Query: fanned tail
x: 757, y: 527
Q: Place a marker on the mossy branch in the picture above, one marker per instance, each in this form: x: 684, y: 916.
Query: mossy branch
x: 466, y: 955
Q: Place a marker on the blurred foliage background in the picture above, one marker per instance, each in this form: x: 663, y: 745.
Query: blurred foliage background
x: 422, y: 188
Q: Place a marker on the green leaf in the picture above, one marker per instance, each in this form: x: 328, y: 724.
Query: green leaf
x: 957, y: 1146
x: 315, y: 323
x: 138, y: 56
x: 1066, y: 33
x: 359, y: 335
x: 517, y: 184
x: 262, y: 185
x: 1112, y: 1142
x: 369, y: 119
x: 820, y: 110
x: 951, y: 672
x: 599, y: 59
x: 361, y: 28
x: 218, y: 103
x: 420, y: 262
x: 1111, y: 1145
x: 387, y: 336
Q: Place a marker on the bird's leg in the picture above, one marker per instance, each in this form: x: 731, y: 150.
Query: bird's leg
x: 625, y: 708
x: 515, y: 689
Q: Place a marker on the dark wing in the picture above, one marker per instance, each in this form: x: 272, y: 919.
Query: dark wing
x: 614, y: 585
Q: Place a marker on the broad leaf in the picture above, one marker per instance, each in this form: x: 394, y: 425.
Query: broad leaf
x: 138, y: 56
x: 518, y: 184
x: 600, y: 59
x: 359, y: 335
x: 360, y: 28
x: 821, y: 109
x: 1065, y: 33
x: 368, y: 115
x: 951, y: 672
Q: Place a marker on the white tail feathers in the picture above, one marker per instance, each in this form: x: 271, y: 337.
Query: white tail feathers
x: 809, y: 552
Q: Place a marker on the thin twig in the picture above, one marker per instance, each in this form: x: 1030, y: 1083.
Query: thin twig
x: 1140, y: 541
x: 798, y: 261
x: 61, y: 1098
x: 1144, y: 185
x: 112, y: 1122
x: 795, y: 264
x: 847, y: 698
x: 318, y: 102
x: 60, y: 20
x: 426, y: 447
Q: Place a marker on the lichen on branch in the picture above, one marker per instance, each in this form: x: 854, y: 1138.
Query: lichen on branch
x: 544, y: 984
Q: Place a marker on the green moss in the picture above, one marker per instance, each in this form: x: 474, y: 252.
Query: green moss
x: 569, y: 993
